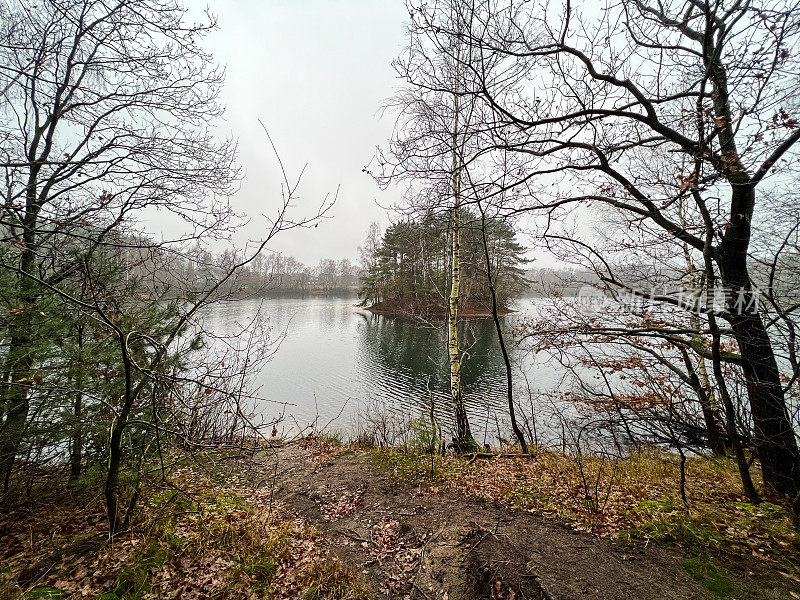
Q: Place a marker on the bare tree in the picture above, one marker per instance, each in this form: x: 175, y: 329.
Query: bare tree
x: 622, y: 112
x: 491, y: 280
x: 428, y: 151
x: 106, y: 113
x: 106, y: 117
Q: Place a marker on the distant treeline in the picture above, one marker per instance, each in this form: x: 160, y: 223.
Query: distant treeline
x: 407, y: 260
x: 546, y: 281
x: 278, y: 275
x: 394, y: 266
x: 267, y: 275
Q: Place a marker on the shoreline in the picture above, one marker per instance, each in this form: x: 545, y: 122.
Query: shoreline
x: 412, y: 311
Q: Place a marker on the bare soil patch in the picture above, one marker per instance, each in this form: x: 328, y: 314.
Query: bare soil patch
x: 429, y: 543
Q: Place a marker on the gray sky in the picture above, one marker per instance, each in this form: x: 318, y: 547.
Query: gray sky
x: 316, y: 72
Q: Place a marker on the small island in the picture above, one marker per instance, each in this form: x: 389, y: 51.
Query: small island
x: 407, y: 269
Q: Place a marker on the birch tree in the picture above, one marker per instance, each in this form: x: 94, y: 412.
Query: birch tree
x: 427, y: 151
x: 463, y: 440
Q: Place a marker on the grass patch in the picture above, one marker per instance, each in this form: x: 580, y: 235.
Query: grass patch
x: 9, y: 590
x: 179, y: 500
x: 709, y: 573
x: 415, y: 467
x: 133, y: 582
x: 228, y: 500
x: 678, y: 528
x: 330, y: 579
x: 261, y: 568
x: 635, y: 497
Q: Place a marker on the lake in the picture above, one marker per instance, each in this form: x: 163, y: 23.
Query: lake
x: 341, y: 364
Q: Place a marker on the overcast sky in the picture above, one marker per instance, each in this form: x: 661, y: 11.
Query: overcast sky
x: 316, y: 72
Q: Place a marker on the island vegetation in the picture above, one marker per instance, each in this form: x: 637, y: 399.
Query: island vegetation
x: 407, y: 270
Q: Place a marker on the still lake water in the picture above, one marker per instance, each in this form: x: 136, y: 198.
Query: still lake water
x: 337, y: 362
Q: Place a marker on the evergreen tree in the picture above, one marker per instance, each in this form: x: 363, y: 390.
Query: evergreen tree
x: 411, y: 263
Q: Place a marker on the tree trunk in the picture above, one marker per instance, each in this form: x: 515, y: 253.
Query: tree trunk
x: 699, y: 379
x: 20, y: 357
x: 463, y: 441
x: 715, y: 442
x: 730, y: 416
x: 776, y: 444
x: 112, y: 478
x: 76, y: 445
x: 16, y: 402
x: 710, y: 411
x: 501, y: 338
x: 702, y: 390
x: 115, y: 443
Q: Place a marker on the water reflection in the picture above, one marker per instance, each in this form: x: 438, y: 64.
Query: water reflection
x: 336, y: 358
x: 412, y: 360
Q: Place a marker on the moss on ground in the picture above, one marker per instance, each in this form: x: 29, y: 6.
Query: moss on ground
x: 45, y: 593
x: 710, y: 573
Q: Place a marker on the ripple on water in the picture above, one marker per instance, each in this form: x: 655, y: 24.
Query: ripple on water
x: 336, y: 358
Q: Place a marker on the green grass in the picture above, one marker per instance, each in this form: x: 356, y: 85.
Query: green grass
x: 173, y: 497
x: 709, y: 573
x: 168, y: 538
x: 262, y: 569
x: 133, y: 581
x: 228, y: 500
x: 650, y: 507
x: 413, y: 467
x: 332, y: 437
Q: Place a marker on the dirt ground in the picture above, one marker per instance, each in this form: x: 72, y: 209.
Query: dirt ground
x: 434, y: 544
